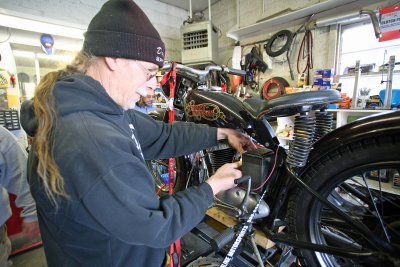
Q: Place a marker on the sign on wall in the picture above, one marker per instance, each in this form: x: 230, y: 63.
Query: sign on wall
x: 390, y: 23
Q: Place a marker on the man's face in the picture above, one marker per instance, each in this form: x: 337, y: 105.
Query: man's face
x: 133, y: 79
x: 149, y: 97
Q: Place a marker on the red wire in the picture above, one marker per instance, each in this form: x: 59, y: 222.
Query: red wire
x: 161, y: 188
x: 270, y: 173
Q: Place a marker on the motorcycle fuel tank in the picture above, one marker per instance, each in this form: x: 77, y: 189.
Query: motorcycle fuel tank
x: 215, y: 109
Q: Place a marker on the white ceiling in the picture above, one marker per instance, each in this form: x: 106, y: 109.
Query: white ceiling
x: 197, y: 5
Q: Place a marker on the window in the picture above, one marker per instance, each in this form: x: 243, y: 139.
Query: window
x: 32, y: 64
x: 358, y: 42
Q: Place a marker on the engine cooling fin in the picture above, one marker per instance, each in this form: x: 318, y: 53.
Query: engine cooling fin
x: 220, y: 157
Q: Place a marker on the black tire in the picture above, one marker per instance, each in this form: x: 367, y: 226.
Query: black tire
x: 270, y: 46
x: 273, y: 87
x: 158, y: 168
x: 309, y: 221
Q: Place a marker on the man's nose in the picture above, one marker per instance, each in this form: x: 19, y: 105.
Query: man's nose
x: 152, y: 83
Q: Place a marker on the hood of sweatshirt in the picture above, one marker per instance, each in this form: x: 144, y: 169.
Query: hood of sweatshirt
x: 91, y: 97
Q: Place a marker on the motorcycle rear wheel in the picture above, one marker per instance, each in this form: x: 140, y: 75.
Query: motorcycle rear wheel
x: 159, y: 171
x: 344, y: 177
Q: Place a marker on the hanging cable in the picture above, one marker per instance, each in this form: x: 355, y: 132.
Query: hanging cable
x: 305, y: 52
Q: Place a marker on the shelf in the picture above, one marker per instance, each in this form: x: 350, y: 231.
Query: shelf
x: 343, y: 114
x: 328, y: 8
x: 367, y: 74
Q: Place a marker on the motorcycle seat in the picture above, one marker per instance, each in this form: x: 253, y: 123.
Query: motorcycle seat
x: 291, y: 104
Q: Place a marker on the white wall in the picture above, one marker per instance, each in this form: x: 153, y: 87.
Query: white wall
x: 78, y: 13
x: 226, y: 15
x: 237, y: 14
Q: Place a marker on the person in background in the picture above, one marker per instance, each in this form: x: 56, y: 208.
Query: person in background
x: 13, y: 161
x: 145, y: 104
x: 95, y: 196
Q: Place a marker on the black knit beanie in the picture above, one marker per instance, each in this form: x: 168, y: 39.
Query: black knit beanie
x: 121, y: 29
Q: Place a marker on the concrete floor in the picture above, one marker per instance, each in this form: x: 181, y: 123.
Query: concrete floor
x: 33, y: 257
x: 192, y: 247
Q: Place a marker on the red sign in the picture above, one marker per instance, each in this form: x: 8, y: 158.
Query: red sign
x: 390, y: 23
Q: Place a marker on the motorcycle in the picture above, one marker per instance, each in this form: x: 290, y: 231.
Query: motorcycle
x: 331, y: 189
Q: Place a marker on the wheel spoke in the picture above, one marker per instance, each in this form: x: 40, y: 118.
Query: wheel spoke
x: 353, y: 206
x: 376, y: 209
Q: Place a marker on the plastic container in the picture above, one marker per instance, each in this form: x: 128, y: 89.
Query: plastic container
x: 395, y: 97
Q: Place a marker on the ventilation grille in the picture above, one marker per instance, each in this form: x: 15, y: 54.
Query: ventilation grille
x: 199, y: 43
x: 194, y: 40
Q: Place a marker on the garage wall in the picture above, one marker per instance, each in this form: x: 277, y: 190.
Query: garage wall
x: 224, y: 15
x: 229, y: 15
x: 167, y: 19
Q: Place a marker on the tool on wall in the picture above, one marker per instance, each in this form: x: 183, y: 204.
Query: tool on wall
x: 305, y: 51
x: 253, y: 63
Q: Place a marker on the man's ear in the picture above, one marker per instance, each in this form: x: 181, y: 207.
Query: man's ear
x: 111, y: 62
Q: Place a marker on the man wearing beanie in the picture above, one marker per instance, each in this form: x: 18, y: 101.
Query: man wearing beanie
x: 95, y: 197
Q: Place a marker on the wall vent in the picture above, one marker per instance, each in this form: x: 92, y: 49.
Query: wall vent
x: 199, y: 43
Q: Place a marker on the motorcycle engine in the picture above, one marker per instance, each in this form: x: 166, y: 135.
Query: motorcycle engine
x: 219, y: 155
x: 256, y: 164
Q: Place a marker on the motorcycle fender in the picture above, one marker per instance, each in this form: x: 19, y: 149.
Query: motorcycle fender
x: 387, y: 123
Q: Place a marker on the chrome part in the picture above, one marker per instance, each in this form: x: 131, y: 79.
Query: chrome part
x: 299, y: 148
x: 231, y: 202
x: 323, y: 123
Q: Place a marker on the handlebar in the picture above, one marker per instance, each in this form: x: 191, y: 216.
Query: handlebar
x: 201, y: 74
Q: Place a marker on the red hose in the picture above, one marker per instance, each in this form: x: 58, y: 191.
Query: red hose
x: 26, y: 248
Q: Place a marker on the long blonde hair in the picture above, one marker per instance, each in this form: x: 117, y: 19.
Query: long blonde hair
x: 45, y: 113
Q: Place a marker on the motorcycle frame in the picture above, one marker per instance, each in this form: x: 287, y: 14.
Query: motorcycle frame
x: 282, y: 184
x: 285, y: 179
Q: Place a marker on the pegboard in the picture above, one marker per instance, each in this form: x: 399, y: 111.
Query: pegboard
x: 10, y: 119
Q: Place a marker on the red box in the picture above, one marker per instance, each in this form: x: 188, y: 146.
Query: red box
x: 14, y: 223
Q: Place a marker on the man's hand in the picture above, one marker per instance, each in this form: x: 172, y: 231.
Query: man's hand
x: 224, y: 177
x: 237, y: 140
x: 31, y: 229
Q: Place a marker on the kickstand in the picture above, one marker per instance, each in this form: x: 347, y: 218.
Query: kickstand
x: 287, y: 257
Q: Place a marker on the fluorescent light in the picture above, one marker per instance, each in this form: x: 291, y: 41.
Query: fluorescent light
x: 27, y: 54
x: 64, y: 58
x: 40, y: 26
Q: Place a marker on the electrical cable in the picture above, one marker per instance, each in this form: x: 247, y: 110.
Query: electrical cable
x: 276, y: 83
x: 305, y: 52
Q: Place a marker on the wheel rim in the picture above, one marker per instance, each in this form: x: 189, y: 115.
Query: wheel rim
x: 327, y: 230
x: 159, y: 170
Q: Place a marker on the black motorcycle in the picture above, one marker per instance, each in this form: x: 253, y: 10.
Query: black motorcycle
x: 331, y: 189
